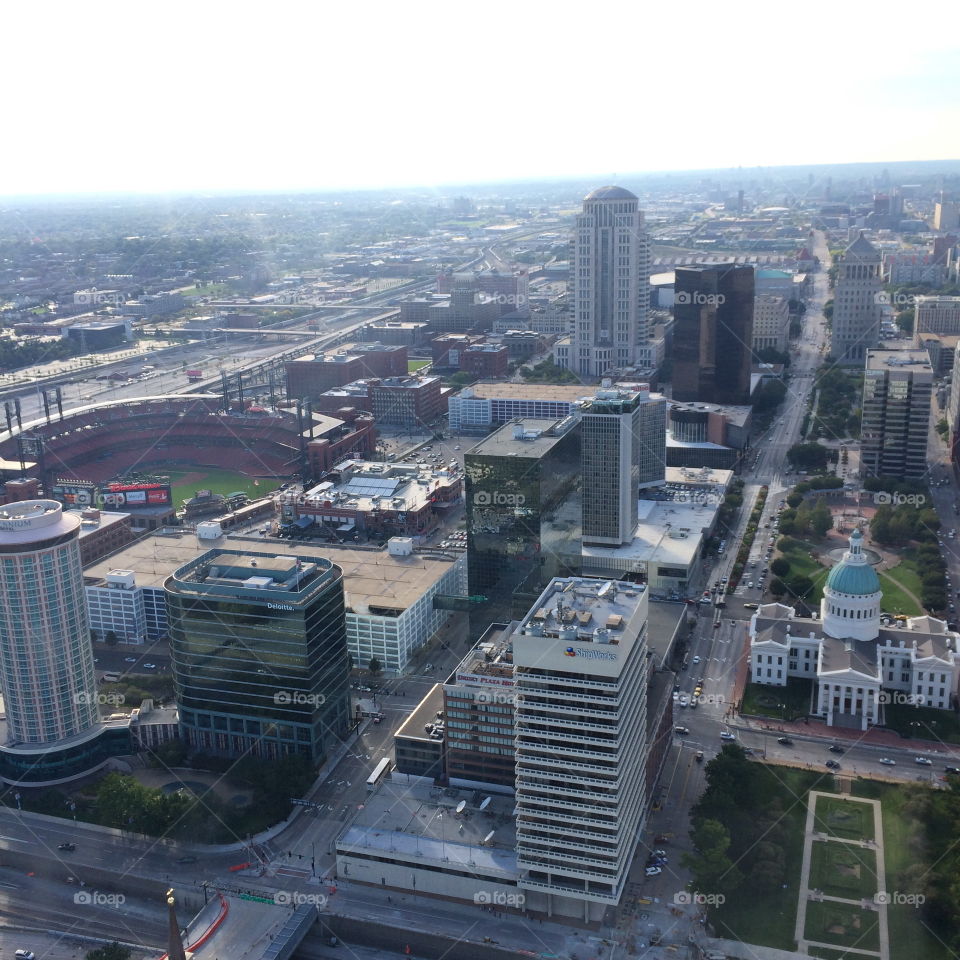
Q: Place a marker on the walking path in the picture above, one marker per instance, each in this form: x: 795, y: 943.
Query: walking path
x: 806, y: 895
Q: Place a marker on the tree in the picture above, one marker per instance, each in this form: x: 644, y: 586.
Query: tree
x: 794, y: 499
x: 808, y: 456
x: 112, y: 951
x: 780, y: 567
x: 111, y: 638
x: 375, y: 666
x: 777, y: 587
x: 799, y: 585
x: 712, y: 868
x: 821, y: 519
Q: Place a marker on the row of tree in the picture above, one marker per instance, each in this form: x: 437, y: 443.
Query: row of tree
x: 838, y: 403
x: 737, y: 829
x: 809, y: 518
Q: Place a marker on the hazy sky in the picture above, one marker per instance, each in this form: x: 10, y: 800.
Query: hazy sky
x: 105, y: 96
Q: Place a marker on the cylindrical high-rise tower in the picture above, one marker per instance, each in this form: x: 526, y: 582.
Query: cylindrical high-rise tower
x: 46, y: 659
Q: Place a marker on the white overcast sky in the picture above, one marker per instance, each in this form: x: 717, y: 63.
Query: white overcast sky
x: 211, y: 95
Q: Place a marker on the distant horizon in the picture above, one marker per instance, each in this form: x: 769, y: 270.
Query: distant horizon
x: 950, y: 165
x: 120, y: 99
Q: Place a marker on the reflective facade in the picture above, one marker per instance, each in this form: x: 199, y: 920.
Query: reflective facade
x: 523, y: 513
x: 260, y: 667
x: 713, y: 334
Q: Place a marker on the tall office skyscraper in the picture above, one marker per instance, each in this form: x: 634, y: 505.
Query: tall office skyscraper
x: 259, y: 653
x: 523, y: 512
x: 897, y: 390
x: 623, y: 451
x: 48, y: 680
x: 856, y: 303
x: 580, y: 680
x: 713, y: 334
x: 610, y: 283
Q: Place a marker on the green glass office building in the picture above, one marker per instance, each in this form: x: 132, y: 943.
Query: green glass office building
x: 524, y: 515
x: 259, y: 654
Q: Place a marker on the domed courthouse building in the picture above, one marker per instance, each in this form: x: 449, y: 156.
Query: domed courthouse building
x: 858, y: 663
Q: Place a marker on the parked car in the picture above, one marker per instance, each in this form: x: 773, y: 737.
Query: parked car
x: 833, y: 765
x: 649, y: 871
x: 951, y: 769
x: 683, y: 731
x: 727, y: 735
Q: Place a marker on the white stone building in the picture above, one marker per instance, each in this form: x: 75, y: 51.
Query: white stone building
x: 859, y: 664
x: 771, y: 323
x: 857, y: 302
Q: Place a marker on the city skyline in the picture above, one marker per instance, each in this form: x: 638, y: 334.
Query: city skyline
x: 310, y: 114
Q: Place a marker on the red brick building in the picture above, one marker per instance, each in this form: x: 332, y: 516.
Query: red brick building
x: 486, y: 360
x: 356, y: 438
x: 311, y: 376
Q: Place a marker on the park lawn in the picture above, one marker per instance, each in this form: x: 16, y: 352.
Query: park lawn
x: 768, y: 916
x: 904, y: 848
x: 843, y: 924
x: 843, y: 870
x: 924, y: 723
x: 895, y: 600
x: 839, y: 817
x: 825, y: 953
x: 796, y: 552
x: 781, y: 703
x: 216, y: 480
x: 906, y: 575
x: 414, y: 365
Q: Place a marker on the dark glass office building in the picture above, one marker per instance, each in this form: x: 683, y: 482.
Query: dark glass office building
x: 713, y: 334
x: 524, y: 513
x: 259, y: 654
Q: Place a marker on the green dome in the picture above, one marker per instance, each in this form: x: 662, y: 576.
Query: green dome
x: 859, y: 580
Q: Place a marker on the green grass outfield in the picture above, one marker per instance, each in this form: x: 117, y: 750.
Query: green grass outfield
x: 414, y: 365
x: 216, y: 480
